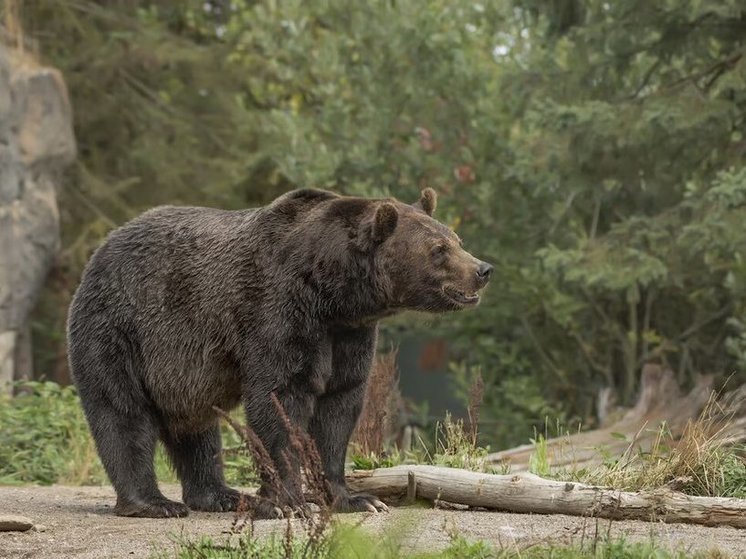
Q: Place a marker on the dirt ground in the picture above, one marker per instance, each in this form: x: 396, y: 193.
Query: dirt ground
x: 78, y: 522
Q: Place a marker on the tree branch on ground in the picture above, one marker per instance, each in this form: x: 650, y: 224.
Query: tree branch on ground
x: 660, y: 403
x: 528, y: 493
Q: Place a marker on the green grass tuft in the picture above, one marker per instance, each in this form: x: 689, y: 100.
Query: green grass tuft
x: 343, y: 541
x: 44, y: 439
x: 538, y: 462
x: 454, y: 447
x: 699, y: 462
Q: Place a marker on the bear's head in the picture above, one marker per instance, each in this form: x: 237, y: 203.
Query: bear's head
x: 423, y: 262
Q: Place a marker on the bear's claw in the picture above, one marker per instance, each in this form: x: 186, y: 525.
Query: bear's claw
x: 266, y: 510
x: 223, y: 499
x: 158, y: 508
x: 359, y: 503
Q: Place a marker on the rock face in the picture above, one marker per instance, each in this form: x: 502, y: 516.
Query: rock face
x: 36, y: 143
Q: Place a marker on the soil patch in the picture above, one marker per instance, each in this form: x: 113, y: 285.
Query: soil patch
x: 78, y: 522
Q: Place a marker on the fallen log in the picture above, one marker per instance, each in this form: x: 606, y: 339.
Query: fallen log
x: 528, y: 493
x: 660, y: 402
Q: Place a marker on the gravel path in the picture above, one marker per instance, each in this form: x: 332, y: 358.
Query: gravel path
x: 78, y: 522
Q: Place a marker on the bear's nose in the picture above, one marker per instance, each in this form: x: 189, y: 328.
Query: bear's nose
x: 484, y: 271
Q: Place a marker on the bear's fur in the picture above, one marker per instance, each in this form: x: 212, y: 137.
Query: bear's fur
x: 183, y: 309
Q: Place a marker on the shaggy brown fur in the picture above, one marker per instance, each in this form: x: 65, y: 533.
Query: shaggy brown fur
x: 185, y: 309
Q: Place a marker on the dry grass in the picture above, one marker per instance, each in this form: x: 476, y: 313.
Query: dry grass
x: 13, y: 30
x: 455, y: 442
x: 378, y: 420
x: 476, y: 396
x: 455, y: 447
x: 23, y: 51
x: 86, y: 462
x: 302, y: 453
x: 701, y: 462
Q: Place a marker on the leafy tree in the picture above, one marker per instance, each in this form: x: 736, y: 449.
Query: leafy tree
x: 628, y: 126
x: 592, y: 150
x: 155, y: 121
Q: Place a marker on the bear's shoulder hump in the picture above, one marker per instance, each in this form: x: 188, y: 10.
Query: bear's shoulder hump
x: 307, y: 195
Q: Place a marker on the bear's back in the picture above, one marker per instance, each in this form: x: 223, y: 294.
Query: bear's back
x: 167, y: 258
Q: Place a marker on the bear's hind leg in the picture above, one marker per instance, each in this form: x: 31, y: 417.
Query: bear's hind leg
x: 126, y: 444
x: 197, y: 459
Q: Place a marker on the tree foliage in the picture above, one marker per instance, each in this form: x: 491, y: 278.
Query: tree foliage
x: 594, y: 151
x: 634, y: 129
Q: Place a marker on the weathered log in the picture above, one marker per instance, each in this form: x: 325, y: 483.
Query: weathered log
x: 660, y: 401
x: 528, y: 493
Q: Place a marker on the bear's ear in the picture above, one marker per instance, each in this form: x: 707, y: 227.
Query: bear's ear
x: 385, y: 222
x: 427, y: 202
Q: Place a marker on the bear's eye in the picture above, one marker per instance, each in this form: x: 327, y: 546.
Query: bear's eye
x: 439, y: 250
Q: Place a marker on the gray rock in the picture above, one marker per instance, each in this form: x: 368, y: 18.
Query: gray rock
x: 36, y: 143
x: 15, y: 523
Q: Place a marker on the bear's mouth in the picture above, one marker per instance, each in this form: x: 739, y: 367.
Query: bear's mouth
x: 461, y: 297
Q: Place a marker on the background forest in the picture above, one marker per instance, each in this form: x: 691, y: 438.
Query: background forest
x: 594, y: 151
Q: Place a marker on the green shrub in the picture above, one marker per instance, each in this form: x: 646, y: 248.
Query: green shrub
x: 44, y: 439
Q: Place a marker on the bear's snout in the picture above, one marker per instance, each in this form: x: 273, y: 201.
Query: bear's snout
x: 484, y: 272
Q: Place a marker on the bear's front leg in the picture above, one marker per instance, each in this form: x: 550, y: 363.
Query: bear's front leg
x: 337, y: 412
x: 280, y: 494
x: 197, y: 459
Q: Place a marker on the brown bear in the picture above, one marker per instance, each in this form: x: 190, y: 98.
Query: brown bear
x: 185, y: 309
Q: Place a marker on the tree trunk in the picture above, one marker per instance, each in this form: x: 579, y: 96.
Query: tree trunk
x: 527, y: 493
